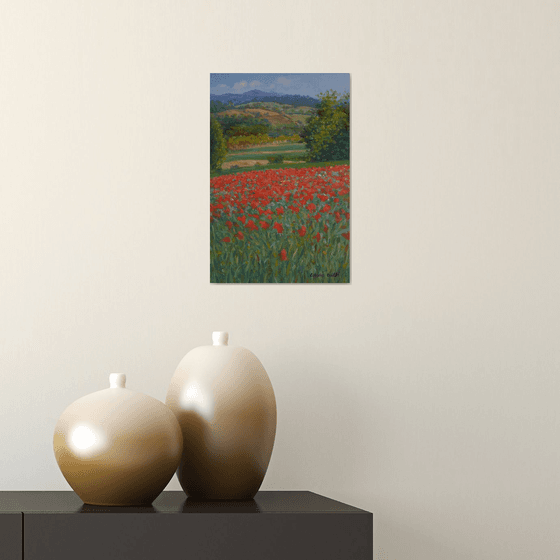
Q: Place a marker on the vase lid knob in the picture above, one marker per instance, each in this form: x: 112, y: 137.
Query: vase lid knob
x: 220, y: 338
x: 117, y: 380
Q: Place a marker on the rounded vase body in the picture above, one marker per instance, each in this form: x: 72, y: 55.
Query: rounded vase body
x: 117, y: 447
x: 225, y: 405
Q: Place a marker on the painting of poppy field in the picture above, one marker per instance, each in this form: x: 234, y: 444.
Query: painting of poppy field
x: 279, y: 178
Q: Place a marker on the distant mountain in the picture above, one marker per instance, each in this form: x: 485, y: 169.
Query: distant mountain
x: 258, y: 95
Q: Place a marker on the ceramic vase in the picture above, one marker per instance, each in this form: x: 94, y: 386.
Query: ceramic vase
x: 117, y: 447
x: 225, y: 405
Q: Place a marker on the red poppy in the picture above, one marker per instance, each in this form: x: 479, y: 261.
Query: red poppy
x: 283, y: 255
x: 264, y: 225
x: 326, y: 228
x: 302, y: 231
x: 278, y: 227
x: 337, y: 217
x: 318, y: 236
x: 251, y: 225
x: 317, y: 216
x: 346, y: 235
x: 229, y: 224
x: 311, y: 207
x: 280, y: 210
x: 240, y: 235
x: 242, y: 219
x: 226, y: 239
x: 326, y: 208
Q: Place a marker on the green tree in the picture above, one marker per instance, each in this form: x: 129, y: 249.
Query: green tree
x: 233, y: 124
x: 327, y: 133
x: 218, y: 146
x: 217, y: 106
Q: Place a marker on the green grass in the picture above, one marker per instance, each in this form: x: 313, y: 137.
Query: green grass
x: 278, y: 166
x: 294, y: 151
x: 235, y: 156
x: 272, y: 148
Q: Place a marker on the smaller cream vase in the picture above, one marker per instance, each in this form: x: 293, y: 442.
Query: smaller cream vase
x: 225, y: 404
x: 117, y: 447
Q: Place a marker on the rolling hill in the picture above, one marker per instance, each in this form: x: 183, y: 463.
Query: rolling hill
x: 274, y: 117
x: 258, y: 95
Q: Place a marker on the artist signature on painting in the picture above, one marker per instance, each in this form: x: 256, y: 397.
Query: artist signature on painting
x: 322, y: 274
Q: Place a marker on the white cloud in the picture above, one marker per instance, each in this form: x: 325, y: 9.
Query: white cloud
x: 283, y: 81
x: 255, y: 83
x: 240, y: 85
x: 223, y: 85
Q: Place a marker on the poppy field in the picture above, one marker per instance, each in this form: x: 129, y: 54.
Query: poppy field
x: 289, y: 225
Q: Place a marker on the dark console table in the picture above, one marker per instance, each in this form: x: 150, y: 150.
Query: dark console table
x: 273, y: 526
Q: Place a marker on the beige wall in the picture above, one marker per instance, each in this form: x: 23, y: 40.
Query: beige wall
x: 427, y: 390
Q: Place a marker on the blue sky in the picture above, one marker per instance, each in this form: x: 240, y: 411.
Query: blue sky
x: 302, y: 84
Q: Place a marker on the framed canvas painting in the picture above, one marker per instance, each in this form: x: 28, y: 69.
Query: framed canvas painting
x: 279, y: 178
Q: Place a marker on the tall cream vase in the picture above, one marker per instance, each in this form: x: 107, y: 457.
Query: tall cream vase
x: 225, y: 405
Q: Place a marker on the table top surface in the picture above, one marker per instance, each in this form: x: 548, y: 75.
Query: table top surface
x: 288, y: 501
